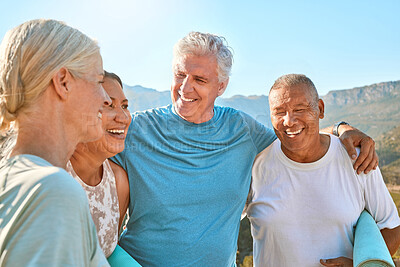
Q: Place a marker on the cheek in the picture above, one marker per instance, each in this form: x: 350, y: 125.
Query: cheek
x: 312, y: 118
x: 176, y: 83
x: 276, y: 122
x: 207, y: 93
x: 174, y: 89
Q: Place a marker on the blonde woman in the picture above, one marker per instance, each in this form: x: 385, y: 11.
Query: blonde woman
x: 51, y: 90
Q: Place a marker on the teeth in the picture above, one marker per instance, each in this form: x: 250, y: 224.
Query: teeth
x: 99, y: 115
x: 116, y: 131
x: 187, y: 99
x: 296, y: 132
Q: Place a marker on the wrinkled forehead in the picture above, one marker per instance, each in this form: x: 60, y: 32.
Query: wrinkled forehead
x: 300, y: 94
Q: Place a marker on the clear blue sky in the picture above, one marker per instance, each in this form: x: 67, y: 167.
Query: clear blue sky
x: 339, y: 44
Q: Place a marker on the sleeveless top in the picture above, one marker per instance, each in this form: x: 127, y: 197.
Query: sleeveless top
x: 104, y: 207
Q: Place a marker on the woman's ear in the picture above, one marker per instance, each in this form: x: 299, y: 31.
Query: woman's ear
x: 62, y: 82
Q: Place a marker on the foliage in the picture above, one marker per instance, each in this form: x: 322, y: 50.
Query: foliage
x: 391, y: 173
x: 388, y: 146
x: 247, y: 262
x: 245, y: 241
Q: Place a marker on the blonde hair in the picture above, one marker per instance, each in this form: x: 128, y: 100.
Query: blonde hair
x: 206, y: 44
x: 30, y: 55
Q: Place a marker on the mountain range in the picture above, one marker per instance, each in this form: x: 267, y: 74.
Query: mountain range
x: 374, y: 109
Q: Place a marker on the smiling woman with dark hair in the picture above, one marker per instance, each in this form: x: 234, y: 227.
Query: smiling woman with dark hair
x: 105, y: 183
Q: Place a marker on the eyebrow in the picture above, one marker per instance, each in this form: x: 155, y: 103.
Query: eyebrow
x: 124, y: 100
x: 302, y: 105
x: 200, y: 77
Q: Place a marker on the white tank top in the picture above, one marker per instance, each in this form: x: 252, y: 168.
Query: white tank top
x: 104, y: 207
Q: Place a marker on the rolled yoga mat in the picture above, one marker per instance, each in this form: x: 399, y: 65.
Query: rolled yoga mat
x: 369, y: 246
x: 121, y: 258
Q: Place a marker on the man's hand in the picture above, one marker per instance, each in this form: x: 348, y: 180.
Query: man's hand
x: 341, y: 261
x: 351, y: 137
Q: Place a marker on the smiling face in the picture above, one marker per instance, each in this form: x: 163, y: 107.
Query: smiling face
x: 195, y: 87
x: 86, y: 101
x: 116, y: 118
x: 295, y: 114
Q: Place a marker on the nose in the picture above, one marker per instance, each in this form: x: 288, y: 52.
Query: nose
x: 289, y: 119
x: 106, y: 98
x: 122, y: 115
x: 186, y: 85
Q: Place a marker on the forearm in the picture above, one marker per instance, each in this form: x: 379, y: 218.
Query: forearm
x: 327, y: 130
x: 392, y: 238
x: 342, y: 128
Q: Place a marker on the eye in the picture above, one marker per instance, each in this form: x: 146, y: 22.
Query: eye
x: 201, y: 81
x: 299, y: 110
x: 101, y: 82
x: 125, y: 106
x: 180, y: 75
x: 279, y: 113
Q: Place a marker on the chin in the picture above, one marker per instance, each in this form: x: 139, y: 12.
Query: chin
x: 114, y: 149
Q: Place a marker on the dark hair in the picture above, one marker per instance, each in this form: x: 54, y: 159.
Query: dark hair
x: 113, y: 76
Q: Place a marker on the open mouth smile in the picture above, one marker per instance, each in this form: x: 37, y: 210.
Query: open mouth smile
x: 187, y: 99
x: 116, y: 133
x: 293, y: 133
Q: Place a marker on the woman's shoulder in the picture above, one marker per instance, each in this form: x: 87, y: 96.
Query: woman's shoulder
x: 35, y: 172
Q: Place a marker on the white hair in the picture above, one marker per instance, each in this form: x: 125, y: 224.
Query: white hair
x: 204, y: 44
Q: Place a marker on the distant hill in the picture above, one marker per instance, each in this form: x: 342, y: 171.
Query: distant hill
x: 373, y: 109
x: 142, y: 98
x: 256, y: 106
x: 388, y: 149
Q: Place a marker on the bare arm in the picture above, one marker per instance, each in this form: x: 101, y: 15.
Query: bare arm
x: 122, y: 183
x: 392, y: 238
x: 341, y: 261
x: 351, y: 137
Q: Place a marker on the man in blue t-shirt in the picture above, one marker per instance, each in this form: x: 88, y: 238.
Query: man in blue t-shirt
x: 189, y: 164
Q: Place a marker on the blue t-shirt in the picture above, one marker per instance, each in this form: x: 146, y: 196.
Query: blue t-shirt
x: 188, y: 185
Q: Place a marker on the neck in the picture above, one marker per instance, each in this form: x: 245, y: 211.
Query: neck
x: 197, y: 120
x: 42, y: 130
x: 88, y: 165
x: 315, y: 152
x: 44, y: 138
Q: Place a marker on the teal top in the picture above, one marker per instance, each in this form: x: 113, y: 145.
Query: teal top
x: 188, y: 185
x: 44, y: 217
